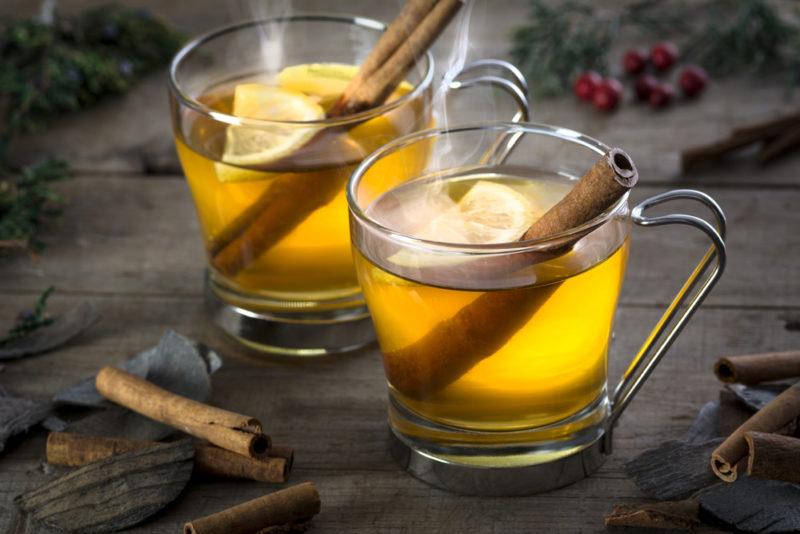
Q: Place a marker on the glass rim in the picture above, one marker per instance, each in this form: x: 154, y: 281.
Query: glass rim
x: 226, y: 118
x: 558, y: 132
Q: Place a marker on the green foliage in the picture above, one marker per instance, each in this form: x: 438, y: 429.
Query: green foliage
x: 28, y: 321
x: 50, y: 68
x: 26, y: 199
x: 562, y: 40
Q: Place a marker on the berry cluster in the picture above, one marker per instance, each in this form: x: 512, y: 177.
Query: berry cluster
x: 606, y: 93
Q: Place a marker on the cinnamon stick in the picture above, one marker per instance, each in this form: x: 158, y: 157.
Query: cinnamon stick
x: 756, y: 368
x: 232, y: 431
x: 665, y: 514
x: 773, y: 456
x: 293, y: 505
x: 290, y: 199
x: 455, y: 345
x: 75, y: 450
x: 772, y: 148
x: 739, y: 138
x: 364, y: 92
x: 781, y: 411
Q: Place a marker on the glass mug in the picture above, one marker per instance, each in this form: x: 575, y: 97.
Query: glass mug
x: 496, y: 354
x: 281, y: 276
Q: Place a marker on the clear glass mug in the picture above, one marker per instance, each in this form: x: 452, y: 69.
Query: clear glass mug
x: 498, y: 376
x: 281, y: 277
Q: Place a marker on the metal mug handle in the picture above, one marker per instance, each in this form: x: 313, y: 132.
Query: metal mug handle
x: 693, y: 292
x: 514, y: 84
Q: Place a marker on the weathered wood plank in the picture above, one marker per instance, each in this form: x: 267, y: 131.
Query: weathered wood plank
x: 333, y: 412
x: 141, y: 237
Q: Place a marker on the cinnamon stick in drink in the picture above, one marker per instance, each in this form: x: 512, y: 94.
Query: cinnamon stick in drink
x: 757, y: 368
x: 773, y: 456
x: 75, y: 450
x: 289, y: 200
x: 290, y: 506
x: 232, y: 431
x: 781, y: 411
x: 478, y: 330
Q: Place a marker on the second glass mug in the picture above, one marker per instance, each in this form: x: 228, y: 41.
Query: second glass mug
x: 281, y: 277
x: 496, y: 355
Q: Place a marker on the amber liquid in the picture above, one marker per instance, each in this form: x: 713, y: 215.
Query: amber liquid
x: 311, y: 263
x: 550, y: 369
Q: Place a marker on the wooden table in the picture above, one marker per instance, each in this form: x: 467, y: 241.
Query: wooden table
x: 129, y: 242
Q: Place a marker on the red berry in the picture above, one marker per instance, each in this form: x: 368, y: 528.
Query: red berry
x: 585, y: 85
x: 661, y: 95
x: 693, y: 80
x: 607, y: 94
x: 634, y: 61
x: 663, y: 55
x: 645, y: 85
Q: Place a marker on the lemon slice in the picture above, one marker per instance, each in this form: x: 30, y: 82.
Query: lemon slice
x: 488, y: 213
x: 255, y: 146
x: 326, y: 81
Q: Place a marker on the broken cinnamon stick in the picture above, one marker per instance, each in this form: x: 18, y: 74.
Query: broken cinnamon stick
x: 756, y: 368
x: 666, y: 514
x: 781, y: 411
x: 773, y: 456
x: 739, y: 138
x: 293, y: 505
x: 290, y: 199
x: 454, y: 346
x: 75, y: 450
x: 232, y: 431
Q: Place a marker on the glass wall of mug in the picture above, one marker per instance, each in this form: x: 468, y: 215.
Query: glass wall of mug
x: 495, y: 354
x: 269, y: 192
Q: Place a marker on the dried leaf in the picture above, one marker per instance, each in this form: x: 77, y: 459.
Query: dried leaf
x: 17, y: 415
x: 172, y: 356
x: 753, y: 505
x: 756, y: 397
x: 176, y: 364
x: 674, y: 470
x: 65, y: 327
x: 114, y: 493
x: 704, y: 427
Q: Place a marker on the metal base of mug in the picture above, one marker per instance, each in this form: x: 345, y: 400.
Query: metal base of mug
x: 499, y: 481
x: 527, y: 464
x: 292, y: 333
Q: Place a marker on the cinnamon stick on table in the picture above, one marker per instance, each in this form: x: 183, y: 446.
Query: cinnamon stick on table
x: 75, y: 450
x: 455, y: 345
x: 291, y: 506
x: 756, y: 368
x: 781, y: 411
x: 290, y: 199
x: 773, y: 456
x: 232, y: 431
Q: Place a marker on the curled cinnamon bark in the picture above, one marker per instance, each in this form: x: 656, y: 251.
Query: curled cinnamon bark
x: 232, y: 431
x: 756, y: 368
x: 290, y: 506
x: 781, y: 411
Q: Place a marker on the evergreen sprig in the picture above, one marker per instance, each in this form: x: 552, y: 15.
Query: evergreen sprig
x: 724, y: 36
x: 51, y: 67
x: 30, y: 320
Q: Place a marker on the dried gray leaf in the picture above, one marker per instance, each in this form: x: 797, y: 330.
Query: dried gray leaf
x: 705, y: 425
x: 756, y: 397
x: 65, y: 327
x: 18, y: 414
x: 675, y: 470
x: 170, y: 356
x: 114, y: 493
x: 753, y: 505
x: 176, y: 364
